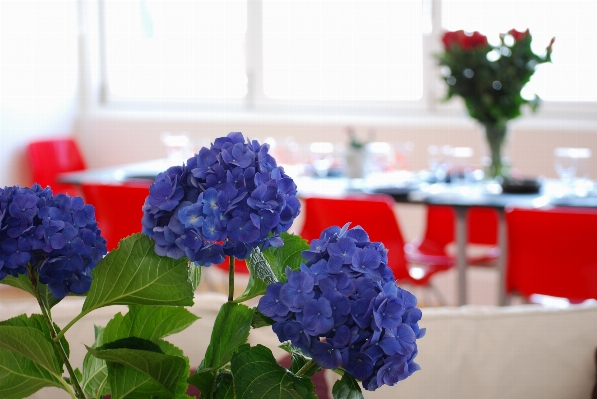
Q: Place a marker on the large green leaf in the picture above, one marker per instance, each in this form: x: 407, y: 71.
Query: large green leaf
x: 32, y: 344
x: 37, y: 322
x: 134, y: 274
x: 148, y: 322
x: 22, y: 282
x: 231, y: 330
x: 347, y: 388
x: 95, y: 371
x: 257, y: 374
x: 21, y: 377
x: 28, y: 359
x: 144, y: 371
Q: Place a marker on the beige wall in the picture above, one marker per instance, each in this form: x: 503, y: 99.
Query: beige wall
x: 108, y: 139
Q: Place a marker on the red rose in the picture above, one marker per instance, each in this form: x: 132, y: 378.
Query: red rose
x: 474, y: 41
x: 518, y: 36
x: 466, y: 41
x: 450, y: 38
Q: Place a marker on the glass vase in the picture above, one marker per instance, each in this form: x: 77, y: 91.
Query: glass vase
x: 495, y: 136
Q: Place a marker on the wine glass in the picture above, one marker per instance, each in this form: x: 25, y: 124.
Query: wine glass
x: 565, y: 163
x: 322, y: 157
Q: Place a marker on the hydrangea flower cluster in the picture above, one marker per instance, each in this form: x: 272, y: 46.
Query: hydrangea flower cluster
x: 225, y: 201
x: 344, y: 309
x: 56, y: 235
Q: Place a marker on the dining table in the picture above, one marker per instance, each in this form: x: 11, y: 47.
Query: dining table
x: 404, y: 187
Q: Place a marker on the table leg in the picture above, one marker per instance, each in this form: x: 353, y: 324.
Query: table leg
x: 501, y: 260
x: 461, y: 240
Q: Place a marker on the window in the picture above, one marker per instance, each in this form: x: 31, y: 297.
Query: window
x: 342, y: 50
x: 571, y: 22
x: 329, y: 54
x: 175, y: 49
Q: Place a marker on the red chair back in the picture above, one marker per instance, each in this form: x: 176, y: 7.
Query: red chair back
x: 482, y: 224
x: 48, y: 158
x: 552, y: 252
x: 118, y: 208
x: 374, y: 213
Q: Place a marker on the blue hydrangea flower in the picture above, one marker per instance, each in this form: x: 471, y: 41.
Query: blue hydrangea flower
x: 226, y: 200
x: 344, y: 309
x: 57, y: 236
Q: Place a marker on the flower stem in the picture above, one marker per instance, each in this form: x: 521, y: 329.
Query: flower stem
x: 231, y: 279
x: 305, y: 368
x: 46, y: 315
x: 70, y: 324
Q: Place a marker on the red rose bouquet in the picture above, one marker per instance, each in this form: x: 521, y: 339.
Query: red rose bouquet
x: 490, y: 80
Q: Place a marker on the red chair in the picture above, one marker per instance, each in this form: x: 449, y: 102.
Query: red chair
x: 48, y: 158
x: 375, y: 214
x: 552, y: 252
x: 118, y: 208
x: 482, y: 225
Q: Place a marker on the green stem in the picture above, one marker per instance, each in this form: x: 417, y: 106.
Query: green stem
x: 231, y: 279
x: 67, y: 388
x: 44, y: 311
x: 70, y: 324
x: 305, y: 368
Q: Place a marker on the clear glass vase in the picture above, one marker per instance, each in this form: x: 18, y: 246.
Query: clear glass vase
x: 498, y: 167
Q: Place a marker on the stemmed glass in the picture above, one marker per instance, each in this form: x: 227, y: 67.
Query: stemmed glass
x: 565, y: 163
x: 568, y: 163
x: 322, y: 157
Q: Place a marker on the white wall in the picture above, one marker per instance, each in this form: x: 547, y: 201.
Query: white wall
x: 38, y: 79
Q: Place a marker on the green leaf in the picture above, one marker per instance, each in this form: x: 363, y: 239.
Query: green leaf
x: 298, y: 360
x: 288, y: 255
x: 347, y: 388
x: 260, y: 267
x: 204, y: 379
x: 37, y: 321
x: 255, y: 287
x: 144, y: 371
x: 257, y: 374
x: 261, y: 320
x: 95, y: 371
x: 133, y: 274
x: 32, y: 344
x: 28, y: 359
x: 224, y: 385
x: 270, y: 265
x: 231, y: 330
x: 21, y: 377
x: 148, y: 322
x: 22, y: 282
x: 260, y: 275
x: 195, y: 275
